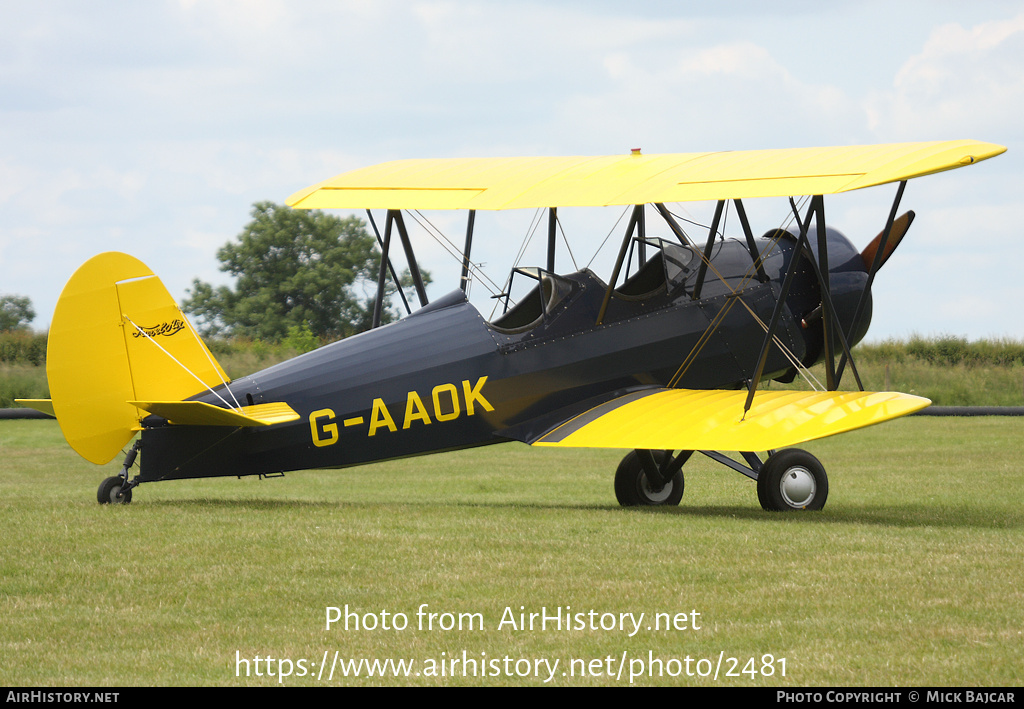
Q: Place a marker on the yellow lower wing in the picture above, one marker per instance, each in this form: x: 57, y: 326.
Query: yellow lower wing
x: 688, y: 419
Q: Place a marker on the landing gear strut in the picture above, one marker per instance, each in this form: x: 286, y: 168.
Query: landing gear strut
x: 791, y: 479
x: 650, y: 478
x: 117, y: 490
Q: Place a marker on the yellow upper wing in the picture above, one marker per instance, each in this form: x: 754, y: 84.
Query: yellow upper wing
x: 525, y: 182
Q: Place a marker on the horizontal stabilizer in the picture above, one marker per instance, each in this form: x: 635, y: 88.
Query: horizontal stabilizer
x: 688, y: 419
x: 197, y: 413
x: 44, y: 405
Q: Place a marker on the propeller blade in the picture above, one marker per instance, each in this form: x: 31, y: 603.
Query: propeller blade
x: 899, y: 230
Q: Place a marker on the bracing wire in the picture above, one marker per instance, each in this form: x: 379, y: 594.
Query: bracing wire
x: 608, y: 236
x: 528, y: 237
x: 497, y: 290
x: 145, y: 334
x: 811, y: 380
x: 209, y: 358
x: 565, y: 239
x: 454, y: 251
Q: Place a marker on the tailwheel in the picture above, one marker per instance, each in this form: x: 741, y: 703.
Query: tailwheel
x: 792, y: 479
x: 664, y: 486
x: 117, y: 490
x: 113, y: 491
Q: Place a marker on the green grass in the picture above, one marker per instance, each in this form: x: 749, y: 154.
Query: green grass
x: 911, y: 575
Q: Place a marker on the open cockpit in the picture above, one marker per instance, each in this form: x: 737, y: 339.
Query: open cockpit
x: 658, y: 282
x: 537, y: 305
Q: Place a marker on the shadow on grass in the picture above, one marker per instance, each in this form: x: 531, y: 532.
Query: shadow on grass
x: 905, y: 516
x: 909, y: 516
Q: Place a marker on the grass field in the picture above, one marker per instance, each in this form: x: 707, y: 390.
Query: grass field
x: 912, y: 575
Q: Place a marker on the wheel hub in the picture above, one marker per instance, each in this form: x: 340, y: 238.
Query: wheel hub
x: 658, y: 495
x: 797, y: 486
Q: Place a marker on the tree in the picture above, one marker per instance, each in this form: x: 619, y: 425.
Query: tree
x: 15, y: 313
x: 296, y: 271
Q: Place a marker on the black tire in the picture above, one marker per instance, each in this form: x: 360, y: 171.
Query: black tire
x: 110, y: 492
x: 792, y: 479
x: 633, y: 489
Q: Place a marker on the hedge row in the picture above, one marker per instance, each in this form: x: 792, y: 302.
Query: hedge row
x: 945, y: 350
x: 22, y: 347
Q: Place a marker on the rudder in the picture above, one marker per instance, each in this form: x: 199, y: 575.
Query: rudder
x: 118, y: 336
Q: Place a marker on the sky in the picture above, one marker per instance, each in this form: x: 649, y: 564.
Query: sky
x: 153, y: 127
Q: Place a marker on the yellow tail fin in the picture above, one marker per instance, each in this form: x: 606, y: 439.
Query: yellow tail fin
x: 117, y: 337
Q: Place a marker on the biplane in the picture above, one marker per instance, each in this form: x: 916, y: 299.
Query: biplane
x: 665, y: 361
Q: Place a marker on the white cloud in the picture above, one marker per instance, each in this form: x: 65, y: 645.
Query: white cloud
x: 721, y: 96
x: 964, y: 81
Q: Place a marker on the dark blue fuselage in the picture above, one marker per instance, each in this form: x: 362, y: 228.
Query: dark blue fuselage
x: 443, y: 378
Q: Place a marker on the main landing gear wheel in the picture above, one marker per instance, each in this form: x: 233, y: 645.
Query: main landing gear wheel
x: 110, y: 492
x: 792, y: 479
x: 632, y: 487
